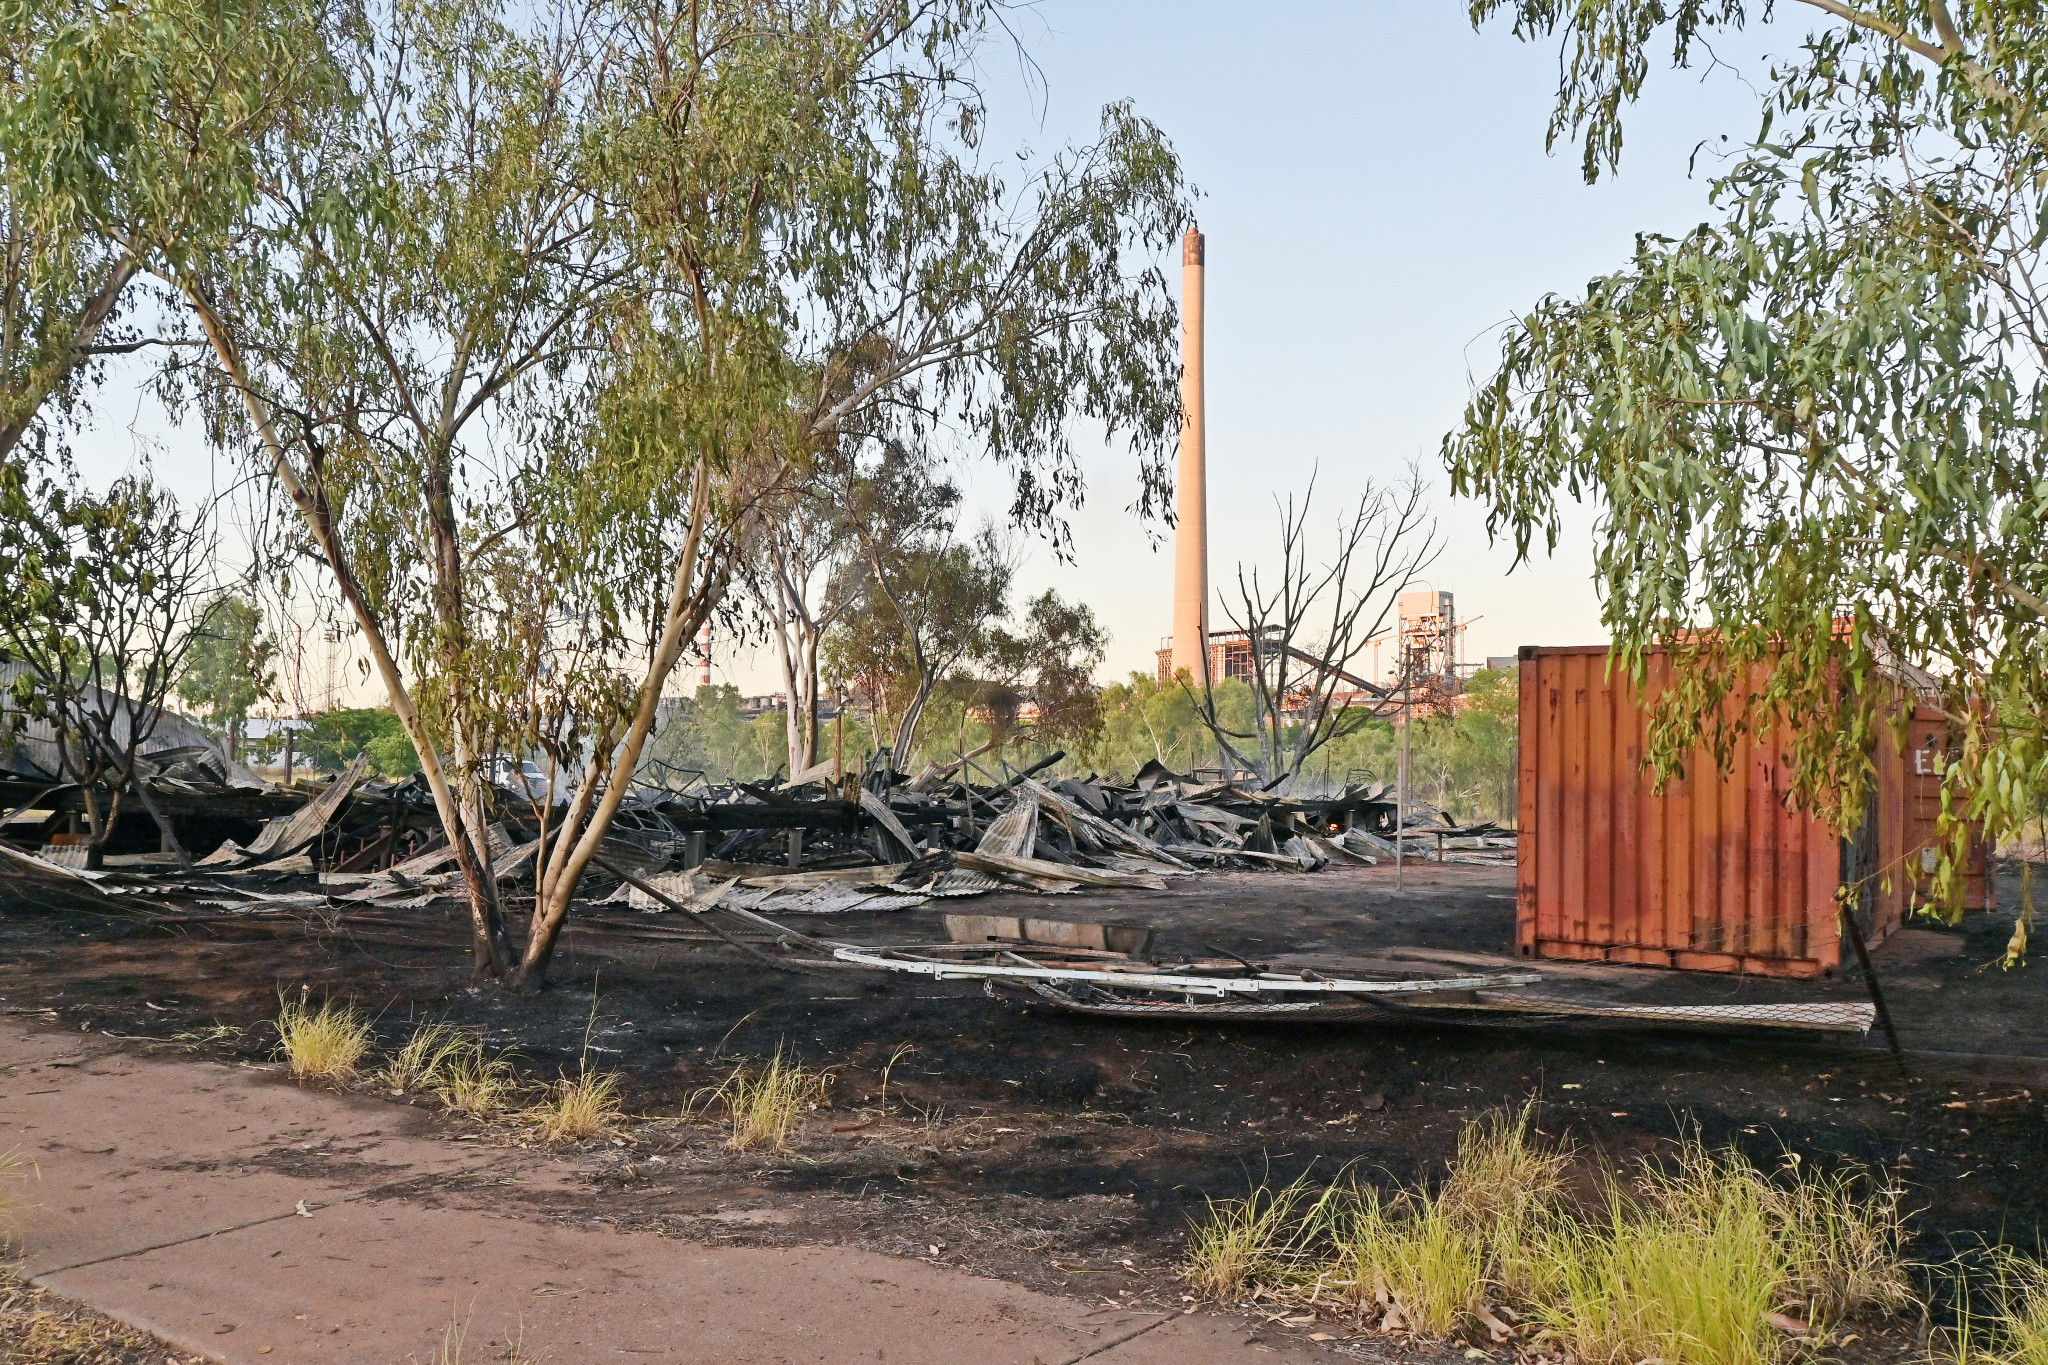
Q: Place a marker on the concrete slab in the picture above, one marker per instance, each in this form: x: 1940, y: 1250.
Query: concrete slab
x: 170, y: 1197
x: 374, y: 1283
x: 131, y: 1152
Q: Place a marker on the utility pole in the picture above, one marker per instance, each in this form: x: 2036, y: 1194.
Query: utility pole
x: 1401, y: 792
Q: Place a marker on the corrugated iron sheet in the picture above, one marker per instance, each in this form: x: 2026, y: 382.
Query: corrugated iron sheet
x: 1907, y: 812
x: 1714, y: 873
x: 32, y: 753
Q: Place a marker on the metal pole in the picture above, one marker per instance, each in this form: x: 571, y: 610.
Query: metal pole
x: 1401, y: 795
x: 1884, y: 1016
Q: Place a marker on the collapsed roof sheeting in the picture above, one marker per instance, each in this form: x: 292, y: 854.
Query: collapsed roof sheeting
x: 31, y: 750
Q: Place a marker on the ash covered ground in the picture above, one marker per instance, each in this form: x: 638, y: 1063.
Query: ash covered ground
x: 1070, y: 1153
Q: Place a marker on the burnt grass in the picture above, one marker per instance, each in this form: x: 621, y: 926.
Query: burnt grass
x: 1071, y: 1153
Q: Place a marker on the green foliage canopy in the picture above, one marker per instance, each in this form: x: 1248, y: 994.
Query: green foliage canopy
x: 1816, y: 429
x: 133, y: 139
x: 337, y: 736
x: 99, y: 605
x: 227, y: 670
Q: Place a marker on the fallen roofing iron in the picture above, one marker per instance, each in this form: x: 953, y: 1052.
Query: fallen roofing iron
x: 1032, y: 962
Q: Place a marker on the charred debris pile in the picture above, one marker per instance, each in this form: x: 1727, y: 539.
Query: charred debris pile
x: 877, y: 839
x: 711, y: 863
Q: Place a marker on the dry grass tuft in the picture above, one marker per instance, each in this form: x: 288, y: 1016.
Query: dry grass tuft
x: 15, y: 1175
x: 1842, y: 1233
x: 453, y: 1065
x: 762, y: 1104
x: 455, y: 1342
x: 1249, y: 1244
x: 1688, y: 1262
x: 423, y: 1061
x: 37, y: 1328
x: 470, y: 1081
x: 2014, y: 1332
x: 323, y: 1044
x: 579, y: 1108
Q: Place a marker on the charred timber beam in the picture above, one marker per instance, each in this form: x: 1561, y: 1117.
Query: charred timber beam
x: 726, y: 819
x: 231, y: 805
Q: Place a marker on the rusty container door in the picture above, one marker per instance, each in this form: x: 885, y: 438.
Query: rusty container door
x: 1908, y: 812
x: 1714, y: 873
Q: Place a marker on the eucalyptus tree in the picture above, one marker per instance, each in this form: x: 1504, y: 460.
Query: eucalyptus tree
x: 806, y: 577
x: 531, y: 319
x: 1054, y: 652
x: 927, y: 612
x: 228, y: 667
x: 1814, y: 427
x: 132, y: 142
x: 430, y: 265
x: 832, y: 270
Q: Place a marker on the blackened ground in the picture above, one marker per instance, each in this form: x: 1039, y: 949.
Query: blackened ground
x: 1070, y: 1153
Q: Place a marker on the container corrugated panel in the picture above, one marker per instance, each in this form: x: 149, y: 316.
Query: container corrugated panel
x: 1713, y: 873
x: 1908, y: 812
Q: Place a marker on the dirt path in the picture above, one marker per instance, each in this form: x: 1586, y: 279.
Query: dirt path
x: 247, y: 1220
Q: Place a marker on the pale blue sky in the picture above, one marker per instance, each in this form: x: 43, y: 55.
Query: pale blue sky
x: 1378, y: 202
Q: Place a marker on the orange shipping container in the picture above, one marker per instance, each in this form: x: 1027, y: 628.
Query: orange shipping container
x: 1904, y: 814
x: 1716, y: 872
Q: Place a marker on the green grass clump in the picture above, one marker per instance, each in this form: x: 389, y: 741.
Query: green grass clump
x: 1700, y: 1259
x: 1686, y: 1267
x: 1414, y: 1259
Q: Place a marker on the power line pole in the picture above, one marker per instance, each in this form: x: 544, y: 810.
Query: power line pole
x: 1401, y: 791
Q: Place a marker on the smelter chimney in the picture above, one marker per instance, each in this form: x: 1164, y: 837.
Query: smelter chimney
x: 1191, y: 490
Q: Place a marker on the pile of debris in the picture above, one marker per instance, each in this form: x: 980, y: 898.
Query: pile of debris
x: 885, y: 840
x: 366, y: 858
x: 817, y: 844
x: 1020, y: 831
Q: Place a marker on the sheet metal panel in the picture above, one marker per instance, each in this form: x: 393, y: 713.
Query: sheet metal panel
x: 1714, y: 873
x: 1908, y: 811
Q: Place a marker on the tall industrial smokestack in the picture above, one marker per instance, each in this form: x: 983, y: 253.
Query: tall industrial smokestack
x: 1191, y: 491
